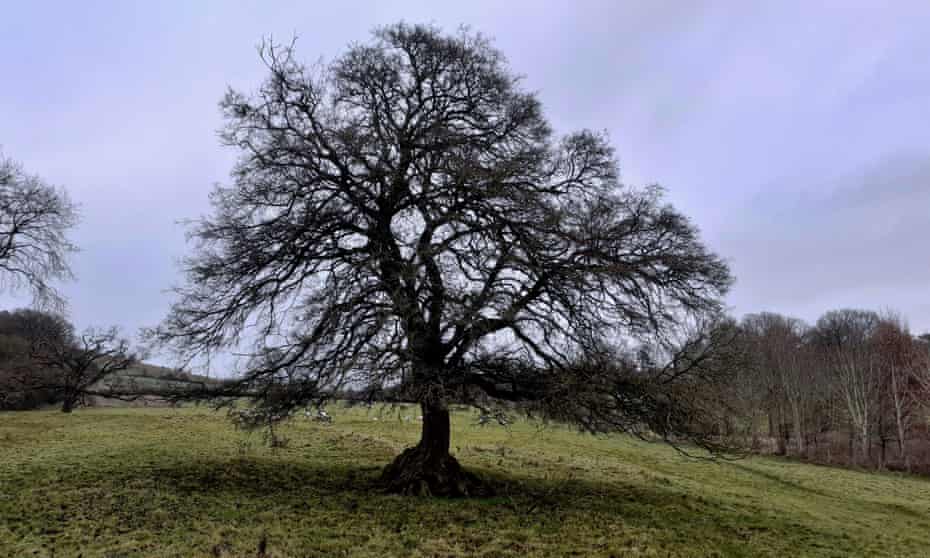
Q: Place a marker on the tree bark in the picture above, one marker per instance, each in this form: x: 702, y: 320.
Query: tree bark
x: 851, y: 445
x: 428, y: 469
x: 436, y: 434
x: 798, y: 429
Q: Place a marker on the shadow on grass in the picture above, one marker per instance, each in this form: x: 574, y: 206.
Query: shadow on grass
x: 165, y: 492
x: 878, y: 507
x: 352, y: 490
x: 776, y: 479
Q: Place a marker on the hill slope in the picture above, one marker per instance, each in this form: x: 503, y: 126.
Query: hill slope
x: 183, y: 482
x: 146, y: 376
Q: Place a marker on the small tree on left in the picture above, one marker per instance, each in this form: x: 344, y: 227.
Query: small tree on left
x: 17, y: 329
x: 47, y: 357
x: 80, y: 368
x: 48, y: 363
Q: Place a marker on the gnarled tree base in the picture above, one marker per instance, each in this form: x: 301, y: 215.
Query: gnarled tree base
x: 418, y: 472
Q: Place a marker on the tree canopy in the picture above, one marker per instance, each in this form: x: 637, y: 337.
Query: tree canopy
x: 405, y: 221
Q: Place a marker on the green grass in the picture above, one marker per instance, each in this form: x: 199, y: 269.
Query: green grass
x: 184, y: 482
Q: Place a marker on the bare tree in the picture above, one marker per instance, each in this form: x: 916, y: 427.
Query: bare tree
x: 34, y: 220
x: 78, y: 368
x: 902, y: 360
x: 404, y: 221
x: 922, y: 343
x: 779, y: 354
x: 846, y: 337
x: 19, y: 330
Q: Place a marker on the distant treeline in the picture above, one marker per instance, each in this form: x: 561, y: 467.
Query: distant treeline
x: 852, y: 389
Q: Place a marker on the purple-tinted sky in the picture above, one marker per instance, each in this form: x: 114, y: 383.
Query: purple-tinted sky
x: 797, y: 135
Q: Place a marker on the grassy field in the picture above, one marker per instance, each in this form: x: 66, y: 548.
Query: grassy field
x: 184, y: 482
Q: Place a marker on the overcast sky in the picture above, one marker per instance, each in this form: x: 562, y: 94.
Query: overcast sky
x: 796, y: 135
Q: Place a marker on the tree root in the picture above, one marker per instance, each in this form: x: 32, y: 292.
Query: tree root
x: 418, y: 472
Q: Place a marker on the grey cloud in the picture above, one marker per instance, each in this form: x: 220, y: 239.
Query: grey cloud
x: 862, y: 244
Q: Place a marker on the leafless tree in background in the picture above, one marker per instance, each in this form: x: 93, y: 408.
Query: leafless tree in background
x: 77, y: 367
x: 19, y: 330
x: 857, y: 379
x: 43, y: 361
x: 404, y: 221
x: 780, y: 359
x: 902, y: 359
x: 34, y: 220
x: 846, y: 338
x: 923, y: 366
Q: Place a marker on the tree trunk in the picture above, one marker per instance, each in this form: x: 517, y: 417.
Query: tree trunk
x: 867, y: 445
x: 781, y: 447
x: 68, y: 404
x: 902, y: 452
x: 428, y: 469
x: 852, y: 437
x: 799, y: 431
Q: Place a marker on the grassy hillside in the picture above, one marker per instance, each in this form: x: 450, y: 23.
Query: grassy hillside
x: 155, y: 373
x: 183, y: 482
x: 145, y: 376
